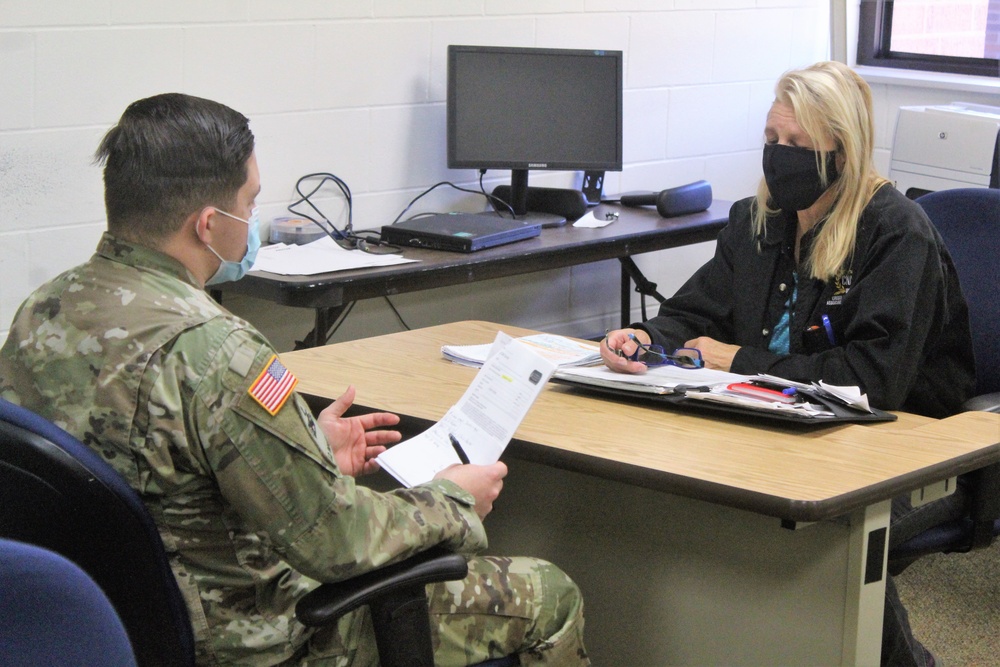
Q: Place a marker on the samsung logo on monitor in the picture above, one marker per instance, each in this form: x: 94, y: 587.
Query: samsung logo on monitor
x: 537, y: 165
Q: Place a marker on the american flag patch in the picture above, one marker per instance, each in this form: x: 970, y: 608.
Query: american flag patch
x: 273, y: 386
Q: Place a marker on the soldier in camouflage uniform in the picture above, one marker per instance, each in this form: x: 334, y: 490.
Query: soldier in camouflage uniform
x: 255, y: 499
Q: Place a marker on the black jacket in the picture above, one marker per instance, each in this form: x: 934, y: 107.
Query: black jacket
x: 900, y: 322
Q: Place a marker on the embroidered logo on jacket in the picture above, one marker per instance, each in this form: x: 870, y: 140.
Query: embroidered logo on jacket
x: 841, y: 286
x: 273, y: 386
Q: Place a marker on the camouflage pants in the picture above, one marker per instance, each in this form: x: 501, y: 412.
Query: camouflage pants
x: 505, y: 605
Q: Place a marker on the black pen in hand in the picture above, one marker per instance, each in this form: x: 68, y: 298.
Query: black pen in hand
x: 458, y: 449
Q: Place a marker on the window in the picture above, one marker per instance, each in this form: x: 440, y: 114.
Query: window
x: 956, y: 36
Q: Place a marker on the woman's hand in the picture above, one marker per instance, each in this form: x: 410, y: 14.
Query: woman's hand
x: 716, y: 355
x: 619, y: 341
x: 352, y: 440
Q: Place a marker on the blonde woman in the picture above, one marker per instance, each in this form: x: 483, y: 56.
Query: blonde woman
x: 828, y: 273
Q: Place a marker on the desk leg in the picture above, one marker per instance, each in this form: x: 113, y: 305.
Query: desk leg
x: 323, y: 320
x: 868, y: 552
x: 626, y: 295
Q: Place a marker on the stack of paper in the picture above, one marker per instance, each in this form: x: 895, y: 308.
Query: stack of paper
x: 657, y: 380
x: 484, y: 419
x: 561, y: 351
x: 815, y: 400
x: 320, y: 256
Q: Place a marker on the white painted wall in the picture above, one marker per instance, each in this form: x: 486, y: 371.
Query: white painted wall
x: 358, y: 88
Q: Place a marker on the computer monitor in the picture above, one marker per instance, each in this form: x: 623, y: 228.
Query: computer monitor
x: 534, y: 108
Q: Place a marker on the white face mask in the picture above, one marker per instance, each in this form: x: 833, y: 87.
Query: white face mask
x: 231, y: 271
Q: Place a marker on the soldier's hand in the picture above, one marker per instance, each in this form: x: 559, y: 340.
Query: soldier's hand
x: 354, y: 441
x: 483, y: 482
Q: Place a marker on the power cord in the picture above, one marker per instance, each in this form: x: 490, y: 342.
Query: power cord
x: 490, y: 198
x: 370, y: 242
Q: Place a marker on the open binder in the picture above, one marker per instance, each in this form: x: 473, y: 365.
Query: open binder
x: 813, y: 404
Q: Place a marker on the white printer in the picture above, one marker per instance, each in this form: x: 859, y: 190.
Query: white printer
x: 954, y: 145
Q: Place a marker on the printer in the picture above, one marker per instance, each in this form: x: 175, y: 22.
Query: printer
x: 953, y: 145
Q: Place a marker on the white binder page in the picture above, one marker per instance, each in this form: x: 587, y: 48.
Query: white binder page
x: 657, y: 380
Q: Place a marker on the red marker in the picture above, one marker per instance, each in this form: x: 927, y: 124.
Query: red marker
x: 762, y: 393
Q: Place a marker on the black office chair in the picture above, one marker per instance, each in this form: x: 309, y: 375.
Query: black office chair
x: 57, y: 493
x: 968, y: 220
x: 54, y: 614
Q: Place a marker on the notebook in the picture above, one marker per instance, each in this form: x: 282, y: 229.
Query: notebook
x: 460, y: 232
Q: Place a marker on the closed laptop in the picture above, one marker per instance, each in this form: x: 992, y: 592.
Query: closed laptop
x: 459, y: 232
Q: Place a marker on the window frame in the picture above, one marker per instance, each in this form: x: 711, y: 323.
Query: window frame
x: 874, y: 36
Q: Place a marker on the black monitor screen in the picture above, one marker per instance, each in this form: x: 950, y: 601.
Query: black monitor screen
x: 533, y: 108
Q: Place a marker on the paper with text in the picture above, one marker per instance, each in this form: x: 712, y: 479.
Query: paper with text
x: 656, y: 380
x: 561, y: 350
x: 484, y: 419
x: 320, y: 256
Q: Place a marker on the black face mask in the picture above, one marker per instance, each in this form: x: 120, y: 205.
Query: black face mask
x: 792, y: 177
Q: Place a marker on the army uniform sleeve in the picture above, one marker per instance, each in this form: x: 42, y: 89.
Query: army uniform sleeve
x: 278, y: 474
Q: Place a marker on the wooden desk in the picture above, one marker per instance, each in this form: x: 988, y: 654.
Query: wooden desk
x: 637, y: 231
x: 689, y: 535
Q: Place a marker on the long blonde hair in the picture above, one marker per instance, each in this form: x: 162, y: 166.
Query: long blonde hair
x: 831, y: 102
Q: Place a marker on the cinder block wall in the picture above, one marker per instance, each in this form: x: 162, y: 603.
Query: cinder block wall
x: 357, y: 88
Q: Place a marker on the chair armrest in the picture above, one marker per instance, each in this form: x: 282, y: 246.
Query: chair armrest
x: 331, y: 601
x: 983, y: 403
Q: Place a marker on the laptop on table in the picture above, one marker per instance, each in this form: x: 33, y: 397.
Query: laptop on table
x: 459, y: 232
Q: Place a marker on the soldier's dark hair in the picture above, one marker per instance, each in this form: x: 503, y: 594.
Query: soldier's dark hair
x: 169, y: 156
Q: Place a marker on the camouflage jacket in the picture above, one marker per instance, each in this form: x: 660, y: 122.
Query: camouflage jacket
x: 128, y: 354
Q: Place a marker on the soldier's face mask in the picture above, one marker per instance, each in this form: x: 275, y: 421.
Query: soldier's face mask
x: 230, y: 271
x: 793, y: 177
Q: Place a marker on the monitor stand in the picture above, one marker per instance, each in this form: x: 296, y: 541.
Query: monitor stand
x: 552, y: 206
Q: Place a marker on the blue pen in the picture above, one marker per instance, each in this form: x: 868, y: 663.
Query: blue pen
x: 829, y: 331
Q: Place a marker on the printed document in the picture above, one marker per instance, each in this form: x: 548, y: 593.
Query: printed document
x: 561, y: 350
x: 482, y: 422
x: 321, y: 256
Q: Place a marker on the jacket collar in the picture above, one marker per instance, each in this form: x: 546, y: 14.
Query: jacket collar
x: 142, y: 257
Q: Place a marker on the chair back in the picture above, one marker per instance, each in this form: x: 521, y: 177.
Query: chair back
x: 968, y: 220
x: 57, y: 493
x: 54, y: 614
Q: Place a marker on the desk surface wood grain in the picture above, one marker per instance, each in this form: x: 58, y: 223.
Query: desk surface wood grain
x: 793, y: 472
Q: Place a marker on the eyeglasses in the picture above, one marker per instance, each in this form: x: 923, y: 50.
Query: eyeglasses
x: 655, y: 355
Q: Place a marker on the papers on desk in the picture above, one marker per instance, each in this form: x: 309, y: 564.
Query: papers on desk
x: 483, y: 421
x: 656, y: 380
x: 559, y: 350
x: 320, y: 256
x: 815, y: 402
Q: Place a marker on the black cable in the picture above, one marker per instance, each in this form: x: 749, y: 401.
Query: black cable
x: 494, y: 199
x: 398, y: 316
x: 489, y: 198
x: 332, y: 231
x: 370, y: 242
